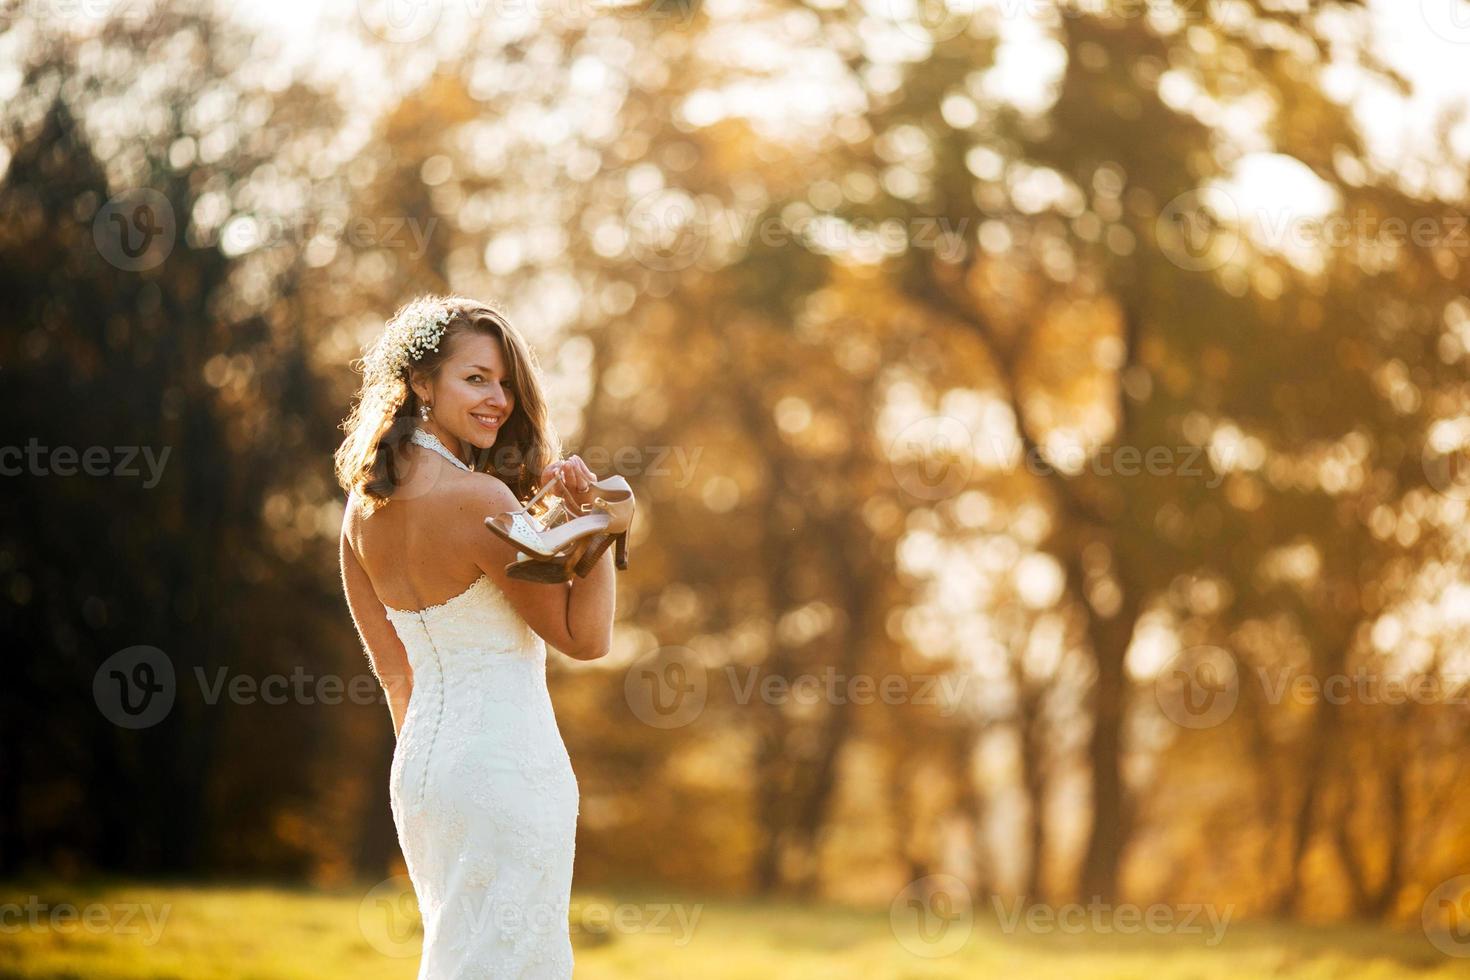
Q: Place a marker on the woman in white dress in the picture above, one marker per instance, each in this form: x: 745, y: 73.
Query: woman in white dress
x: 451, y: 427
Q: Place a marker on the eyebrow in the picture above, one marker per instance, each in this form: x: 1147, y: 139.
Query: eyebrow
x: 481, y: 367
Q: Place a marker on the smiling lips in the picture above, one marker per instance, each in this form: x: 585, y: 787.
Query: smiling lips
x: 488, y: 421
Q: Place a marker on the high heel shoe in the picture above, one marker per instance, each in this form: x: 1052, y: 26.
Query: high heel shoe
x: 533, y: 569
x: 606, y: 520
x: 580, y: 559
x: 562, y: 567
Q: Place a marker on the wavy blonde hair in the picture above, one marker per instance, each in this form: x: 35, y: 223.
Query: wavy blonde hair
x: 370, y: 462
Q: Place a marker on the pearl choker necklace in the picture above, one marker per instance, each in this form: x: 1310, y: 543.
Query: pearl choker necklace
x: 422, y: 437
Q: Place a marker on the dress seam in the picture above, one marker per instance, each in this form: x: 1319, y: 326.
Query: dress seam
x: 438, y: 716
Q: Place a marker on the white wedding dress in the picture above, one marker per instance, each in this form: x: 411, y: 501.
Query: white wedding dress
x: 483, y: 793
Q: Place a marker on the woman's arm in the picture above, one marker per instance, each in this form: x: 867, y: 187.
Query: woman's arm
x: 385, y: 651
x: 574, y: 617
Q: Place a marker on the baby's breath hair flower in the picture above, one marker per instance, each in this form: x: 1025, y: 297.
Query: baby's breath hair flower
x: 414, y: 331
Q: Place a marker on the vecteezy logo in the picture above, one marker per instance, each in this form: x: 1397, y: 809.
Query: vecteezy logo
x: 1198, y: 231
x: 134, y: 688
x: 932, y: 457
x: 932, y: 916
x: 388, y: 917
x: 1448, y: 470
x: 1446, y: 917
x: 135, y: 230
x: 1448, y: 19
x: 667, y: 689
x: 667, y: 230
x: 399, y: 21
x: 930, y: 21
x: 1199, y: 687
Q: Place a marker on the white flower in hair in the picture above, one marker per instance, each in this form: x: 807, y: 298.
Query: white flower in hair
x: 413, y: 332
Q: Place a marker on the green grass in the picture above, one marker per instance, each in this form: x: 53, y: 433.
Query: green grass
x: 241, y: 932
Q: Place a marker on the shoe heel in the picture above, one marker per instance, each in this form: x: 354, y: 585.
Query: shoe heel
x: 594, y: 552
x: 552, y: 570
x: 620, y: 556
x: 537, y: 570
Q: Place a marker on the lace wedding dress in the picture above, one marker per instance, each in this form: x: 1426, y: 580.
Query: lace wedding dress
x: 483, y: 793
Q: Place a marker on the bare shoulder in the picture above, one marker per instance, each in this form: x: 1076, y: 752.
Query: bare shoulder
x: 470, y: 499
x: 352, y: 518
x: 479, y: 495
x: 358, y: 525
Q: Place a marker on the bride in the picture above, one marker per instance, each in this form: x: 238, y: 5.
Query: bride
x: 483, y: 794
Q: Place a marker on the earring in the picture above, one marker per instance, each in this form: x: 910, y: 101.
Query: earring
x: 424, y: 412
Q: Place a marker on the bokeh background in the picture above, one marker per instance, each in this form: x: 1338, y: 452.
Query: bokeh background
x: 1050, y: 427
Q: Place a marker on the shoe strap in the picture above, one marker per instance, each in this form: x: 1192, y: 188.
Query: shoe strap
x: 519, y: 523
x: 597, y: 503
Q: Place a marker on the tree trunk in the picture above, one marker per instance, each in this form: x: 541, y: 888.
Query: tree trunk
x: 1108, y: 832
x: 836, y: 726
x: 1033, y: 781
x: 1316, y: 758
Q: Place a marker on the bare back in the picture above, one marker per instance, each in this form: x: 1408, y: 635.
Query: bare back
x: 414, y: 549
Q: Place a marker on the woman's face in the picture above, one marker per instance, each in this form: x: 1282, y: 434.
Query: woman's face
x: 471, y: 396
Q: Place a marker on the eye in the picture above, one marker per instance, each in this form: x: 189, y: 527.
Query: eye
x: 476, y: 378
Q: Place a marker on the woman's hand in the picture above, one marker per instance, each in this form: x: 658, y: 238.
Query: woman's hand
x: 576, y: 479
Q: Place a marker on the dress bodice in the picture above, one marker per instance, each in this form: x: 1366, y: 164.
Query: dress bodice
x: 477, y: 668
x: 479, y: 622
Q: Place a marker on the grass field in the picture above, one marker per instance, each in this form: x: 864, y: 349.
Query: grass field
x: 110, y: 932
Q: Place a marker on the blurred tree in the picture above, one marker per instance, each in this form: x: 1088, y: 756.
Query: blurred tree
x: 178, y: 357
x: 1077, y: 201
